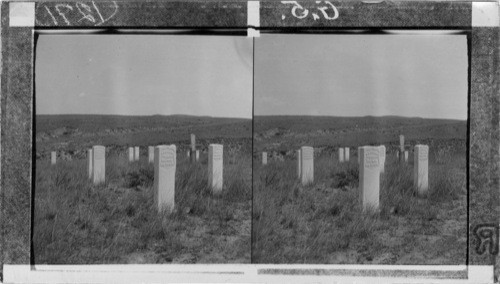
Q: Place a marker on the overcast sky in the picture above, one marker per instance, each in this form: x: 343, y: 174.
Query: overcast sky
x: 144, y: 75
x: 359, y: 75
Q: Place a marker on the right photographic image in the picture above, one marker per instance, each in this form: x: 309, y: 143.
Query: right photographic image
x: 360, y: 148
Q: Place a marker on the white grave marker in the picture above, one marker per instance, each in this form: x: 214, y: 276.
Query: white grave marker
x: 98, y: 164
x: 215, y: 167
x: 369, y: 177
x: 299, y: 163
x: 136, y: 153
x: 307, y: 165
x: 197, y: 155
x: 53, y: 157
x: 421, y: 169
x: 401, y: 143
x: 264, y: 158
x: 346, y: 154
x: 382, y: 158
x: 341, y: 154
x: 89, y: 163
x: 165, y: 160
x: 151, y: 154
x: 406, y: 156
x: 130, y: 154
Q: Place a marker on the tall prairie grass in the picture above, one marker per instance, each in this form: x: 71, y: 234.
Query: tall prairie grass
x: 324, y: 223
x: 117, y: 222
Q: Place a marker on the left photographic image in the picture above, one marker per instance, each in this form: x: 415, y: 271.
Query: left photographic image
x: 143, y: 149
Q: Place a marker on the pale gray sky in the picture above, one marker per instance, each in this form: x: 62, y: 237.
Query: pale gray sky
x: 144, y: 75
x: 360, y: 75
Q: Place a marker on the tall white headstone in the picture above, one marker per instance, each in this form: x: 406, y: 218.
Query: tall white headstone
x: 53, y: 157
x: 136, y: 153
x: 307, y: 163
x: 151, y: 154
x: 98, y: 164
x: 193, y: 142
x: 346, y: 154
x: 382, y: 158
x: 90, y: 163
x: 131, y: 154
x: 165, y: 161
x: 264, y: 158
x: 299, y: 163
x: 421, y: 169
x: 215, y: 167
x: 369, y: 177
x: 341, y: 154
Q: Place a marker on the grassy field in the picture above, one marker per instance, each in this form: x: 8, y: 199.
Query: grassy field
x: 323, y: 222
x: 116, y: 222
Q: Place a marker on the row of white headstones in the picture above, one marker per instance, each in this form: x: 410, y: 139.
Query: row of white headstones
x: 164, y: 158
x: 371, y: 160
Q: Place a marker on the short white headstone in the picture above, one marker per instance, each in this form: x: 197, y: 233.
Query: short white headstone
x: 341, y: 154
x: 188, y: 153
x: 406, y: 156
x: 401, y: 143
x: 307, y: 165
x: 299, y: 163
x: 98, y: 164
x: 197, y: 155
x: 165, y: 161
x: 346, y: 154
x: 369, y: 177
x: 215, y: 167
x: 136, y: 153
x: 382, y: 158
x: 131, y: 154
x: 264, y: 158
x: 53, y: 157
x: 89, y: 163
x: 421, y: 169
x: 151, y: 154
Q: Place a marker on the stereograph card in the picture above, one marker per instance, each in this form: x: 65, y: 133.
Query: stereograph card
x: 250, y: 141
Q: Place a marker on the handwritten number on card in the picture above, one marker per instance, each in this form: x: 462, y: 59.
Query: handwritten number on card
x: 327, y: 9
x: 78, y: 12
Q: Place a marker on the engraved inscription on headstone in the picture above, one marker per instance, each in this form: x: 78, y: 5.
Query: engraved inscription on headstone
x: 307, y: 165
x: 346, y: 154
x: 215, y: 167
x: 421, y: 169
x: 89, y: 163
x: 151, y: 154
x: 341, y: 154
x: 369, y: 177
x: 264, y: 158
x: 98, y: 164
x: 53, y: 157
x: 164, y: 180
